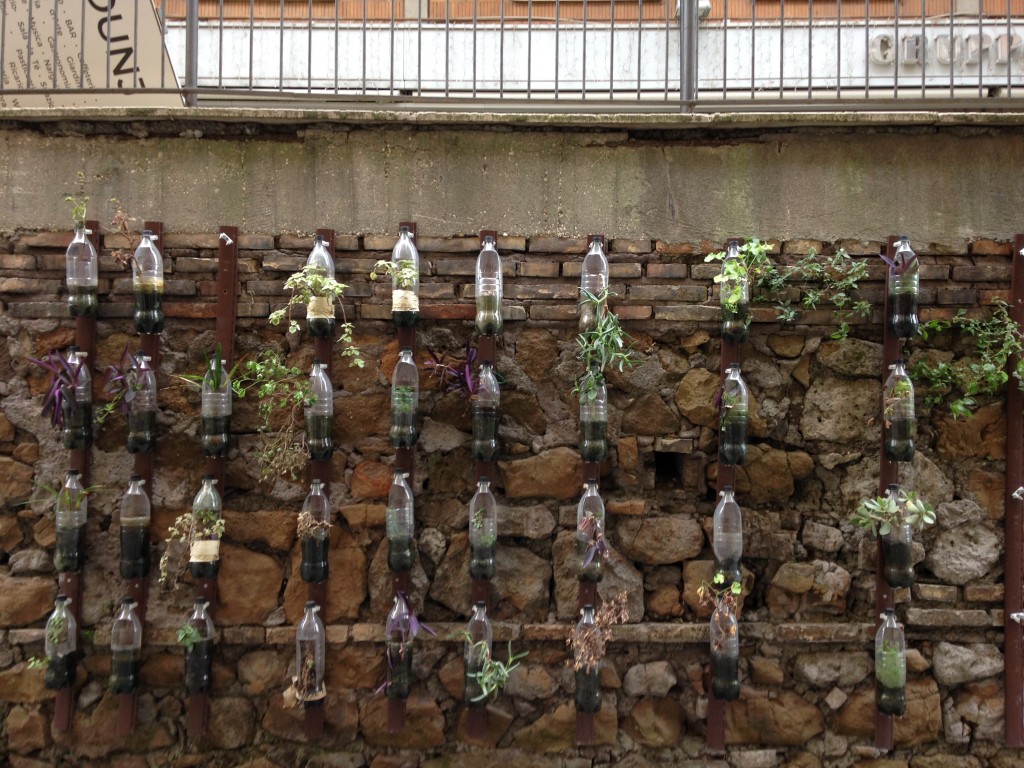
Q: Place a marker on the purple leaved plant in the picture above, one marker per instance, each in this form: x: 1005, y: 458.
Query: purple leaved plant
x: 60, y: 392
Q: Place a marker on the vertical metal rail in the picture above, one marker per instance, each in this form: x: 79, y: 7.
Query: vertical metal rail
x: 981, y: 53
x: 28, y: 49
x: 220, y: 44
x: 81, y: 50
x: 280, y: 46
x: 364, y: 47
x: 782, y: 46
x: 135, y: 45
x: 447, y: 46
x: 583, y: 77
x: 252, y: 36
x: 558, y: 18
x: 419, y: 45
x: 56, y: 37
x: 611, y: 52
x: 309, y: 46
x: 1009, y: 63
x: 923, y: 49
x: 839, y: 47
x: 639, y: 45
x: 3, y: 38
x: 867, y: 44
x: 952, y: 63
x: 191, y: 51
x: 163, y: 41
x: 688, y: 54
x: 474, y: 44
x: 501, y: 51
x: 529, y: 48
x: 391, y: 54
x: 810, y: 47
x: 667, y: 47
x: 1013, y: 597
x: 896, y: 52
x: 753, y: 45
x: 337, y: 33
x: 725, y: 47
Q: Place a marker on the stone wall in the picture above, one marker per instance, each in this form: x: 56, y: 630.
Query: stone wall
x: 807, y: 620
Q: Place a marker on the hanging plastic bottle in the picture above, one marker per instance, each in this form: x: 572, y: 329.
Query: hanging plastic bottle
x: 890, y: 666
x: 76, y: 406
x: 405, y: 399
x: 483, y: 531
x: 485, y: 415
x: 725, y: 653
x: 898, y: 550
x: 199, y: 650
x: 591, y: 547
x: 82, y: 275
x: 135, y: 519
x: 477, y: 651
x: 728, y: 537
x: 489, y: 290
x: 593, y: 282
x: 734, y: 294
x: 70, y: 511
x: 405, y: 282
x: 594, y: 421
x: 142, y: 408
x: 216, y: 408
x: 399, y: 520
x: 732, y: 441
x: 148, y: 285
x: 320, y: 309
x: 310, y: 649
x: 903, y: 290
x: 59, y: 644
x: 320, y: 413
x: 125, y: 649
x: 899, y: 420
x: 204, y: 554
x: 588, y: 670
x: 314, y: 543
x: 398, y: 634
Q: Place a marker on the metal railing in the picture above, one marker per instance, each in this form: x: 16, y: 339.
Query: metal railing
x: 515, y: 54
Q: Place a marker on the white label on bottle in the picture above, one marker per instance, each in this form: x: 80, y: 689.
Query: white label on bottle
x: 404, y: 301
x: 205, y: 551
x: 320, y: 306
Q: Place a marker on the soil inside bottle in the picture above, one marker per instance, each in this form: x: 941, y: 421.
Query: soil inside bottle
x: 149, y: 315
x: 590, y: 572
x: 198, y: 665
x: 899, y: 439
x: 481, y: 561
x: 320, y: 327
x: 897, y: 561
x: 141, y: 431
x: 69, y: 555
x: 318, y: 437
x: 400, y: 553
x: 593, y: 440
x: 588, y: 690
x: 732, y: 446
x: 725, y: 677
x: 204, y: 570
x: 890, y: 701
x: 314, y: 559
x: 124, y: 672
x: 77, y: 425
x: 485, y: 432
x: 60, y: 672
x: 734, y: 323
x: 903, y: 320
x: 488, y: 315
x: 82, y: 300
x: 403, y: 428
x: 216, y: 439
x: 134, y: 552
x: 399, y: 675
x: 405, y: 318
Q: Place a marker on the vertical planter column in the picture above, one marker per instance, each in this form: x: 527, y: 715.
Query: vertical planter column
x: 1013, y: 605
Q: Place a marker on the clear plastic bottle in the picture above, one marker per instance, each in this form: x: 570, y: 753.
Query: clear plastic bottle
x: 399, y: 520
x: 734, y: 295
x: 485, y: 415
x: 898, y: 550
x: 890, y: 666
x: 135, y: 519
x: 398, y: 635
x: 489, y: 289
x: 594, y: 422
x: 483, y: 531
x: 77, y: 405
x: 320, y: 310
x: 148, y: 285
x: 125, y: 649
x: 59, y: 644
x: 588, y: 672
x: 593, y: 281
x: 82, y: 275
x: 142, y: 408
x: 898, y: 419
x: 314, y: 567
x: 199, y: 654
x: 590, y: 542
x: 476, y: 652
x: 320, y: 413
x: 215, y: 409
x: 902, y: 292
x: 204, y: 555
x: 71, y: 512
x: 405, y: 283
x: 310, y: 649
x: 728, y: 537
x: 732, y: 441
x: 725, y: 653
x: 405, y: 399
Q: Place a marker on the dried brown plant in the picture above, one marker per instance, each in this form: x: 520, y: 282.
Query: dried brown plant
x: 588, y: 641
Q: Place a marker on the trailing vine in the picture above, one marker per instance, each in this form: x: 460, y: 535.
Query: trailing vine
x: 605, y: 347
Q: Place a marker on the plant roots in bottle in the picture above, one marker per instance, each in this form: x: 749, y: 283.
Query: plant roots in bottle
x: 141, y: 431
x: 124, y: 672
x: 593, y: 440
x: 488, y: 315
x: 400, y: 553
x: 403, y: 430
x: 69, y: 555
x: 320, y: 327
x: 77, y: 425
x: 400, y: 675
x: 216, y: 439
x: 60, y: 672
x: 318, y: 437
x: 734, y: 324
x: 481, y: 562
x: 198, y: 666
x: 725, y: 677
x: 149, y: 314
x: 588, y: 690
x: 899, y: 440
x: 134, y: 552
x: 897, y: 562
x: 204, y: 570
x: 314, y: 559
x: 82, y: 301
x: 890, y: 701
x: 732, y: 445
x: 485, y: 433
x: 903, y: 321
x: 405, y: 318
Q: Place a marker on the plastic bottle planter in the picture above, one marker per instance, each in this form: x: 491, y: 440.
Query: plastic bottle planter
x: 204, y: 552
x: 405, y: 398
x: 728, y: 537
x: 315, y: 532
x: 732, y: 441
x: 483, y: 531
x: 310, y: 649
x: 588, y: 671
x: 76, y: 407
x: 725, y: 653
x: 899, y: 421
x: 399, y: 637
x: 476, y: 652
x: 125, y: 649
x: 320, y: 309
x: 489, y: 289
x: 198, y: 649
x: 734, y: 294
x: 82, y: 275
x: 71, y: 512
x: 890, y: 667
x: 405, y: 281
x: 399, y: 521
x: 590, y: 542
x: 216, y: 409
x: 485, y: 415
x: 897, y: 556
x: 903, y: 290
x: 320, y: 414
x: 594, y: 422
x: 135, y: 519
x: 142, y: 408
x: 593, y: 281
x: 148, y: 285
x: 59, y: 645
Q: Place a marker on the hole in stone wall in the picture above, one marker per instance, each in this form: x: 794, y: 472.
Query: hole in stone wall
x: 668, y: 470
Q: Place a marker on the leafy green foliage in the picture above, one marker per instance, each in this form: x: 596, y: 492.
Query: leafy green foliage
x: 187, y: 529
x: 493, y: 674
x: 188, y: 636
x: 883, y: 514
x: 752, y: 264
x: 79, y: 202
x: 308, y: 283
x: 606, y: 347
x: 404, y: 275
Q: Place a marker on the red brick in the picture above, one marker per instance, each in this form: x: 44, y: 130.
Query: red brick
x: 551, y: 291
x: 538, y: 269
x: 47, y: 240
x: 989, y: 297
x: 448, y: 311
x: 191, y: 309
x: 554, y: 312
x: 619, y: 245
x: 633, y: 312
x: 991, y: 248
x: 965, y: 296
x: 17, y: 261
x: 982, y: 273
x: 557, y: 245
x: 676, y: 293
x: 256, y: 243
x: 688, y: 313
x: 681, y: 249
x: 447, y: 244
x: 671, y: 271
